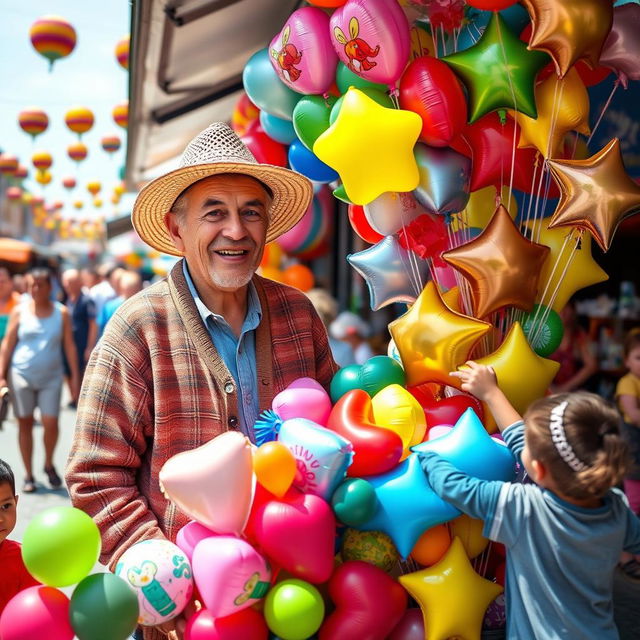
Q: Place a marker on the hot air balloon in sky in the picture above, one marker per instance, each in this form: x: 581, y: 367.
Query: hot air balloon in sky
x: 79, y: 120
x: 94, y: 187
x: 41, y: 160
x: 120, y: 114
x: 110, y: 143
x: 69, y: 182
x: 8, y: 164
x: 77, y: 151
x: 122, y: 52
x: 33, y: 121
x: 52, y: 37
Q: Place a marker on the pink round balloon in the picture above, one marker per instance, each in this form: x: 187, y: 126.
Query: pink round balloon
x: 410, y: 627
x: 302, y: 53
x: 36, y: 613
x: 230, y: 575
x: 291, y: 240
x: 303, y: 398
x: 372, y: 39
x: 189, y: 536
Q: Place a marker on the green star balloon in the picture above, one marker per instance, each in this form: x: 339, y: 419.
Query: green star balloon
x: 498, y: 71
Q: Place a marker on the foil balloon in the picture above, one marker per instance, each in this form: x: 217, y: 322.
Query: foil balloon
x: 568, y: 30
x: 392, y: 273
x: 77, y: 152
x: 498, y: 71
x: 563, y: 106
x: 303, y: 398
x: 79, y: 120
x: 382, y: 139
x: 371, y: 38
x: 264, y: 88
x: 596, y: 194
x: 322, y: 456
x: 480, y: 209
x: 33, y: 121
x: 452, y: 596
x: 110, y: 144
x: 392, y: 211
x: 444, y: 179
x: 345, y: 78
x: 621, y: 50
x: 120, y: 114
x: 52, y: 37
x: 302, y: 53
x: 431, y: 89
x: 122, y: 52
x: 381, y: 97
x: 501, y: 265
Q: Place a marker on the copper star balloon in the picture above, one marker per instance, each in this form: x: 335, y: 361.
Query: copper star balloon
x: 596, y: 194
x: 452, y: 596
x: 502, y: 266
x: 570, y: 29
x: 622, y: 48
x: 498, y: 71
x: 433, y: 340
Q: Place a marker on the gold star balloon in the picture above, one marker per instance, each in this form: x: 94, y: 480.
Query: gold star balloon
x: 569, y: 266
x: 371, y: 147
x: 523, y: 376
x: 452, y: 596
x: 596, y: 194
x: 563, y: 106
x: 501, y: 265
x: 432, y: 340
x: 570, y: 29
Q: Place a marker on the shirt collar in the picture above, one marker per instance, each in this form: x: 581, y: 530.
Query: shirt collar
x: 254, y: 310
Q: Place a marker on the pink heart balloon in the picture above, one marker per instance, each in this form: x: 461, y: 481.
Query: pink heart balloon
x: 297, y: 533
x: 303, y: 398
x: 214, y: 483
x: 189, y: 536
x: 230, y: 575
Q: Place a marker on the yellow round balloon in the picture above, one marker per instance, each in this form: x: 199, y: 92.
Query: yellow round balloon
x: 469, y: 530
x: 396, y: 409
x: 373, y: 547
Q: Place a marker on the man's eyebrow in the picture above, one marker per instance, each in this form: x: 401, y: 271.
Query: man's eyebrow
x: 214, y: 202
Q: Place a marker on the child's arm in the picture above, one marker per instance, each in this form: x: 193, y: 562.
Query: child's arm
x: 480, y: 381
x: 629, y: 406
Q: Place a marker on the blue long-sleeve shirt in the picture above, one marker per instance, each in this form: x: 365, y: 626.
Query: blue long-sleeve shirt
x: 561, y: 557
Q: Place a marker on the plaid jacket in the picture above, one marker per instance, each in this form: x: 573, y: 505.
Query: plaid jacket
x: 156, y: 386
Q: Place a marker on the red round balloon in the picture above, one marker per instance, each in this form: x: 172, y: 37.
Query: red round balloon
x: 491, y: 5
x: 431, y: 89
x: 361, y: 226
x: 449, y: 410
x: 247, y: 623
x: 265, y: 149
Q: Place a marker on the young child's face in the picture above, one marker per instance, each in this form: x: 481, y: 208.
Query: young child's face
x: 632, y: 361
x: 8, y: 503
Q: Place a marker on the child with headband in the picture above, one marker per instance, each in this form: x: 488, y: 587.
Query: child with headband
x: 565, y: 533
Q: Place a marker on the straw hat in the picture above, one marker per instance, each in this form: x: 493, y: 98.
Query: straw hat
x: 218, y: 150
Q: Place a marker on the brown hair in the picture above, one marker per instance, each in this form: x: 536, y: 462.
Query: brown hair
x: 631, y: 341
x: 591, y: 428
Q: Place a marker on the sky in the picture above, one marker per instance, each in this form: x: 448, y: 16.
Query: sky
x: 90, y: 76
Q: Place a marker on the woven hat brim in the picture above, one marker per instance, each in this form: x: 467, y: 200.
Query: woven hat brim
x: 292, y: 195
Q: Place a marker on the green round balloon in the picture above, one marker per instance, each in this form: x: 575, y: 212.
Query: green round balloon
x: 341, y: 194
x: 103, y: 607
x: 345, y: 379
x: 60, y: 546
x: 294, y: 609
x: 547, y: 335
x: 374, y: 547
x: 345, y: 78
x: 354, y: 502
x: 311, y: 118
x: 379, y: 372
x: 380, y: 97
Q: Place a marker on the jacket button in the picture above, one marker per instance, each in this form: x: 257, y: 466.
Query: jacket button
x: 229, y: 388
x: 233, y: 422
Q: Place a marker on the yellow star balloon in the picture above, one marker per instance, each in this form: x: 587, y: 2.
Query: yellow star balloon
x: 432, y: 340
x: 563, y: 106
x: 570, y: 29
x: 596, y: 194
x: 522, y: 374
x: 480, y: 208
x: 501, y: 265
x: 371, y: 147
x: 568, y: 268
x: 452, y: 596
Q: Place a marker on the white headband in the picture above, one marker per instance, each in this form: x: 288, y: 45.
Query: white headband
x: 559, y: 438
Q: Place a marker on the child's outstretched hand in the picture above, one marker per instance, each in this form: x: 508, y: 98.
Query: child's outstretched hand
x: 477, y: 379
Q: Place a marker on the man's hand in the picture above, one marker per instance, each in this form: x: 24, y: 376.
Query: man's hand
x: 477, y: 379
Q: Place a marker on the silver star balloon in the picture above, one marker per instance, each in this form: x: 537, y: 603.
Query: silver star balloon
x: 391, y: 211
x: 393, y: 273
x: 444, y: 179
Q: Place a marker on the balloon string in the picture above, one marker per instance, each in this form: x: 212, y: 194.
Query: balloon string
x: 530, y: 195
x: 616, y: 84
x: 413, y: 271
x: 444, y: 42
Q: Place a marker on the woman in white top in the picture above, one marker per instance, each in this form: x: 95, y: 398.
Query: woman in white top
x: 31, y: 360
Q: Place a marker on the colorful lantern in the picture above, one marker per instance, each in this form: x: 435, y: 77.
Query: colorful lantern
x: 57, y: 205
x: 69, y: 182
x: 119, y: 189
x: 8, y: 164
x: 77, y: 152
x: 41, y: 160
x: 97, y: 202
x: 79, y: 120
x: 94, y: 187
x: 115, y: 198
x: 33, y: 121
x: 52, y: 37
x: 122, y: 52
x: 21, y: 172
x: 78, y: 204
x: 110, y: 143
x: 120, y: 114
x: 43, y: 177
x: 14, y: 193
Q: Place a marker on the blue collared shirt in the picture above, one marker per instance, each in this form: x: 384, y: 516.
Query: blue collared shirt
x: 238, y: 354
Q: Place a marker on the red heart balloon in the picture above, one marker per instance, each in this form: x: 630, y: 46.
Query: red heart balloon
x: 247, y: 623
x: 376, y: 449
x: 297, y: 533
x: 449, y: 410
x: 369, y: 603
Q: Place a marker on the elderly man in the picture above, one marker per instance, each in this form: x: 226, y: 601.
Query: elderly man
x: 199, y: 353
